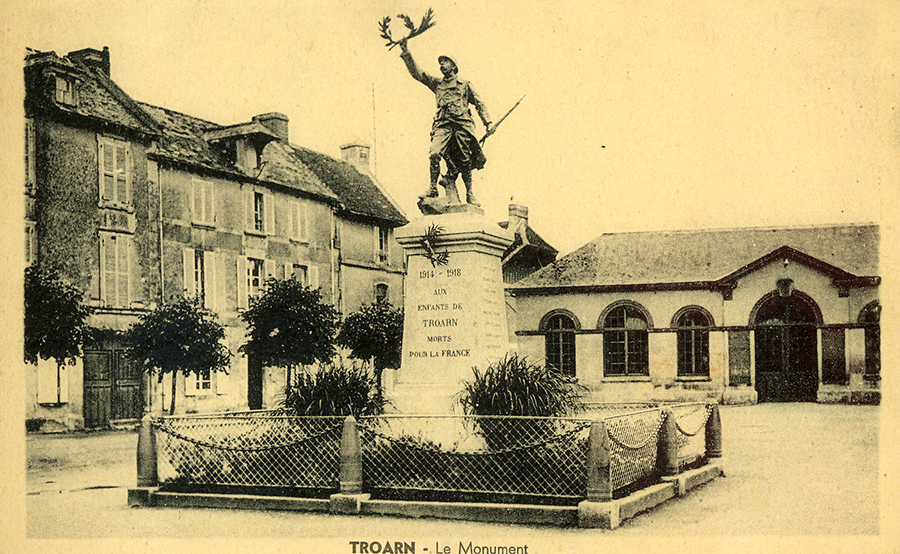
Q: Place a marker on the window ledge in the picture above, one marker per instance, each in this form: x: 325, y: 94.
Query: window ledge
x: 626, y: 379
x: 128, y: 208
x: 255, y: 233
x: 692, y: 378
x: 207, y: 226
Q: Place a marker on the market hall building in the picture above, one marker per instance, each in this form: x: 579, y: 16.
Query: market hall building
x: 734, y: 315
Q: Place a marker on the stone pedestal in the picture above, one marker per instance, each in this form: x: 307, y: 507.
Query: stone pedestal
x: 454, y: 311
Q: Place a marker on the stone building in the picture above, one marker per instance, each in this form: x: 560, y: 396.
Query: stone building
x: 735, y: 315
x: 136, y: 204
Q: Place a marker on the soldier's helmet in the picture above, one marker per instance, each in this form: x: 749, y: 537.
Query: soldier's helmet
x: 449, y: 59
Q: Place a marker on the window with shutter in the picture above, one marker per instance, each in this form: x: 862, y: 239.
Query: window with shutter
x: 115, y: 172
x: 115, y: 276
x: 202, y: 205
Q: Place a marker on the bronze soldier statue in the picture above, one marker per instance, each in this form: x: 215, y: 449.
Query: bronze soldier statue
x: 453, y: 130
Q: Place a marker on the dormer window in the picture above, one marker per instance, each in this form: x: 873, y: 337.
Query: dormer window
x: 65, y: 90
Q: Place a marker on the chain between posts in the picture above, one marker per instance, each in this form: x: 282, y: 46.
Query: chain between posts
x: 702, y: 425
x: 216, y: 446
x: 555, y: 438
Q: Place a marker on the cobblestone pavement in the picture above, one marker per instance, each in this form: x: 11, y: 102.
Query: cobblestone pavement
x: 792, y: 470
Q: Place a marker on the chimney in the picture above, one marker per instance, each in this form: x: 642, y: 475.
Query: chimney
x: 275, y: 122
x: 92, y: 58
x: 518, y: 216
x: 357, y: 154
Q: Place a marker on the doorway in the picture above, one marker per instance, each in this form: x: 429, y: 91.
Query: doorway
x: 787, y: 361
x: 113, y: 386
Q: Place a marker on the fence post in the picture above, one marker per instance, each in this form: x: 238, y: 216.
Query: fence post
x: 714, y: 434
x: 668, y: 446
x: 147, y: 475
x: 351, y: 458
x: 599, y: 478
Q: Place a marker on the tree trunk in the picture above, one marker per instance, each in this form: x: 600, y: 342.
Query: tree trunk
x: 172, y: 408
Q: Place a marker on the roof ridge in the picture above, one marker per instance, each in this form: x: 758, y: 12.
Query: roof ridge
x: 748, y: 228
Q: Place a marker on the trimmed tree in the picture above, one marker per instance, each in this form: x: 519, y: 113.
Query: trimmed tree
x: 182, y: 337
x: 54, y: 318
x: 289, y: 325
x: 374, y: 332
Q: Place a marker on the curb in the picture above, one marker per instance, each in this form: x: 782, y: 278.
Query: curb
x: 606, y: 515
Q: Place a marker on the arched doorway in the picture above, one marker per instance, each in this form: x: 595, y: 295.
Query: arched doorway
x: 787, y: 361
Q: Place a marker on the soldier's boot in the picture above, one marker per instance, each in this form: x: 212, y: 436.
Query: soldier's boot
x: 449, y: 183
x: 470, y: 196
x: 435, y: 170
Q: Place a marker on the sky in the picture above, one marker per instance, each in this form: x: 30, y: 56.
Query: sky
x: 638, y: 115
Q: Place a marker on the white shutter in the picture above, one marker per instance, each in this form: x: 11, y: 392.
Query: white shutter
x: 269, y: 213
x: 191, y: 384
x: 269, y: 268
x: 288, y: 271
x: 294, y: 215
x: 64, y: 383
x: 210, y: 266
x: 242, y: 282
x: 375, y: 249
x: 313, y: 273
x: 104, y: 288
x: 248, y: 208
x: 196, y: 200
x: 209, y: 212
x: 304, y: 222
x: 46, y: 380
x: 223, y: 382
x: 190, y: 285
x: 125, y: 248
x: 127, y: 169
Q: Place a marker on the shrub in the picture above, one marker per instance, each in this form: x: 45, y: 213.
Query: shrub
x: 334, y: 390
x: 514, y: 386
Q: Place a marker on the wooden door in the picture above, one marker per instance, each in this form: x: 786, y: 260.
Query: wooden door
x: 113, y: 388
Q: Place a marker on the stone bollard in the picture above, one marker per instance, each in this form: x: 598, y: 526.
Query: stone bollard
x: 599, y: 477
x: 714, y: 434
x: 667, y: 458
x: 147, y: 475
x: 351, y: 458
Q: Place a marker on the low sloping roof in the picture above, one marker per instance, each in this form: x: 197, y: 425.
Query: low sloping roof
x: 641, y: 258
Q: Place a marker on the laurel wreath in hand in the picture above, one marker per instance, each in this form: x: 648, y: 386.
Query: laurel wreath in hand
x: 384, y: 26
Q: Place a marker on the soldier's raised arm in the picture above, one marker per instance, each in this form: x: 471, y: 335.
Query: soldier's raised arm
x: 413, y: 67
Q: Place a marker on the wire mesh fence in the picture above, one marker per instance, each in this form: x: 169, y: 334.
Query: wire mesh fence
x: 690, y: 425
x: 485, y: 455
x: 500, y: 455
x: 250, y: 449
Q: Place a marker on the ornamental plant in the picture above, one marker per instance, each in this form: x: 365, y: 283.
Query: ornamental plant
x: 54, y: 318
x: 515, y: 386
x: 334, y: 390
x: 180, y: 337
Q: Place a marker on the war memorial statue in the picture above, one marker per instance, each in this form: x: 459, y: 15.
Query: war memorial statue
x: 453, y: 130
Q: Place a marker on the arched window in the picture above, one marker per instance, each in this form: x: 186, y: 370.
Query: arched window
x: 625, y: 344
x: 560, y: 343
x: 693, y: 343
x: 870, y: 318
